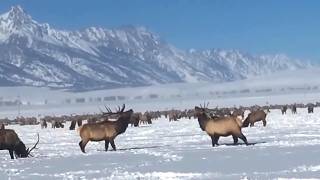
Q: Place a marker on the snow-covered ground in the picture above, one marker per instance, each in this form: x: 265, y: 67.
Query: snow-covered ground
x: 288, y: 147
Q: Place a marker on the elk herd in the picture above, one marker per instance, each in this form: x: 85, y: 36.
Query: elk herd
x: 106, y: 126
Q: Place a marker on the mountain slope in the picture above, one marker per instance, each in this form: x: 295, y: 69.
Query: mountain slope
x: 35, y: 54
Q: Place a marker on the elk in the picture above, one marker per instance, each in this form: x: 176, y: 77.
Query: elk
x: 284, y: 109
x: 10, y: 141
x: 174, y: 115
x: 310, y: 108
x: 255, y: 116
x: 43, y: 123
x: 105, y: 130
x: 134, y: 120
x: 190, y: 113
x: 79, y: 122
x: 294, y: 109
x: 145, y: 118
x: 57, y: 124
x: 73, y: 125
x: 221, y: 126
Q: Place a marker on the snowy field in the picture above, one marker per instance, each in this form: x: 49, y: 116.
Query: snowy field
x: 288, y: 147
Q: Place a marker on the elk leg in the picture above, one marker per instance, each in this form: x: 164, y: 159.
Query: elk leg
x: 113, y: 145
x: 213, y: 141
x: 11, y: 153
x: 235, y: 139
x: 264, y: 122
x: 106, y: 144
x: 251, y: 124
x: 82, y: 145
x: 244, y: 139
x: 216, y: 138
x: 79, y: 122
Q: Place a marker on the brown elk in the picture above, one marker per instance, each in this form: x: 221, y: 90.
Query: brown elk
x: 79, y: 122
x: 145, y: 118
x: 43, y: 123
x: 73, y: 125
x: 105, y: 130
x: 222, y: 126
x: 255, y: 116
x: 310, y: 108
x: 190, y: 113
x: 174, y: 115
x: 294, y: 109
x: 284, y: 109
x: 57, y: 124
x: 134, y: 119
x: 10, y: 141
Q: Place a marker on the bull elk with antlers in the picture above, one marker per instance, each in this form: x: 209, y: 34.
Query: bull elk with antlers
x: 220, y: 126
x: 10, y: 141
x: 105, y: 130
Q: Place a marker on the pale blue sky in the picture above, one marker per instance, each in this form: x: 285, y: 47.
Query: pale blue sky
x: 287, y: 26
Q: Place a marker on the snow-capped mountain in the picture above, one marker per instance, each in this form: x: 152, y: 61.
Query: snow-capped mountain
x: 36, y: 54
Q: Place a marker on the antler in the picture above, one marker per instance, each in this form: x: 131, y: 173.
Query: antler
x: 204, y: 105
x: 123, y: 106
x: 29, y: 151
x: 119, y: 110
x: 108, y: 109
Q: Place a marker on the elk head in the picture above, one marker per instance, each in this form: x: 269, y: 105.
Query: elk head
x: 202, y: 110
x: 21, y: 151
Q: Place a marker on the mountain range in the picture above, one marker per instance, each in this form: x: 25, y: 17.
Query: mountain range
x: 36, y: 54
